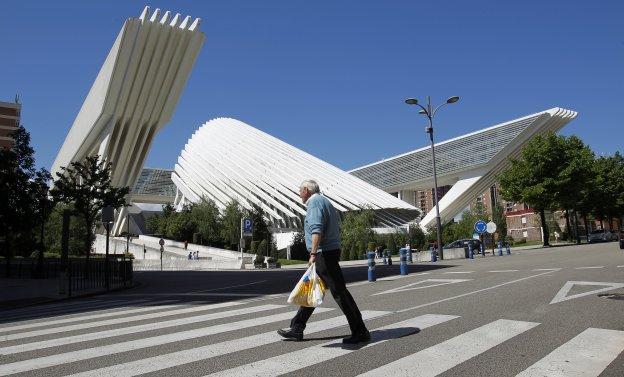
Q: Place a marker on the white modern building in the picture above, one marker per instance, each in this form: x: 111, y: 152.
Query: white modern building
x: 228, y: 160
x: 469, y: 163
x: 134, y: 95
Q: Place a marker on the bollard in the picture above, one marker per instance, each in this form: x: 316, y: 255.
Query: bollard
x: 508, y: 249
x: 385, y: 255
x: 500, y: 248
x: 389, y: 258
x: 482, y: 250
x: 470, y: 251
x: 409, y: 256
x: 371, y: 266
x: 434, y: 258
x: 403, y: 258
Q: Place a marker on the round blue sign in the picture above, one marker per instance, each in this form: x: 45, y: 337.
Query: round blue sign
x: 480, y: 227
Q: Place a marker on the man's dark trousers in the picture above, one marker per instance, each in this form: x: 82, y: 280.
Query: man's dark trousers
x: 328, y: 269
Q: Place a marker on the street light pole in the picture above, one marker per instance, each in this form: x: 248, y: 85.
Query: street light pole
x: 430, y: 114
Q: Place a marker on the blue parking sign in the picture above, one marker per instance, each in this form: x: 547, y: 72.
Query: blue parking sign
x: 247, y: 227
x: 480, y: 227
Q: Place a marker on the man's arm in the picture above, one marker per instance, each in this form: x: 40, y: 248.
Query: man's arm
x: 316, y: 241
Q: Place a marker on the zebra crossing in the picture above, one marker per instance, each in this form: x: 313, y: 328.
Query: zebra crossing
x: 147, y: 335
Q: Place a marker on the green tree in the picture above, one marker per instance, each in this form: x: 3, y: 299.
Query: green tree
x: 54, y: 230
x: 230, y: 224
x: 575, y: 178
x: 263, y: 248
x: 498, y: 217
x: 206, y: 216
x: 24, y: 203
x: 298, y: 250
x: 416, y: 236
x: 533, y: 177
x: 86, y: 185
x: 609, y: 188
x: 357, y: 227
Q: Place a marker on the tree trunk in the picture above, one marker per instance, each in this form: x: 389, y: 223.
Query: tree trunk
x: 544, y: 227
x: 88, y: 247
x: 567, y: 217
x: 586, y: 228
x: 610, y: 223
x: 576, y: 227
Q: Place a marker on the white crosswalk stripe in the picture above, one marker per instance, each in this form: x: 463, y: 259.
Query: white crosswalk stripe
x: 448, y: 354
x: 132, y: 345
x: 82, y: 326
x: 137, y: 328
x: 74, y: 318
x: 63, y: 309
x: 200, y: 353
x: 587, y: 354
x: 293, y: 361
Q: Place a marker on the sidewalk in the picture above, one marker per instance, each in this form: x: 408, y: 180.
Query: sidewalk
x: 395, y: 258
x: 17, y: 293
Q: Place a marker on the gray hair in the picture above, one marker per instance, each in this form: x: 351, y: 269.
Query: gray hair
x: 311, y: 185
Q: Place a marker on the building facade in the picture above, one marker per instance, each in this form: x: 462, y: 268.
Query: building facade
x: 10, y: 113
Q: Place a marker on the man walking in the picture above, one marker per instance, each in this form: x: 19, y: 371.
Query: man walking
x: 322, y: 237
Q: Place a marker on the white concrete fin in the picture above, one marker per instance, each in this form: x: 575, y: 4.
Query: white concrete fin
x: 175, y: 20
x: 155, y: 15
x: 195, y: 24
x: 165, y: 17
x: 145, y: 14
x: 186, y: 21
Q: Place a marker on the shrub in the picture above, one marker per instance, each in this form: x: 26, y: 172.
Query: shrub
x: 371, y: 246
x: 254, y: 247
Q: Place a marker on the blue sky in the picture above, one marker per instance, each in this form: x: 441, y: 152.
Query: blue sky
x: 330, y: 77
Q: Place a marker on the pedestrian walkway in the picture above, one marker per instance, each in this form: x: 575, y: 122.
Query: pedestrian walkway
x: 122, y: 338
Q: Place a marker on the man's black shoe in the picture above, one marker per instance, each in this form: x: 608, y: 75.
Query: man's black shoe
x: 291, y: 334
x: 357, y: 338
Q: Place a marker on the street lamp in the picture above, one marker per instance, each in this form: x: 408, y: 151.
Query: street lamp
x: 430, y: 113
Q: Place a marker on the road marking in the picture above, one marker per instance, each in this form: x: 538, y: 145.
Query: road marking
x: 37, y: 323
x: 174, y: 359
x: 191, y: 294
x: 459, y: 272
x: 66, y: 308
x: 292, y: 361
x: 231, y: 286
x: 587, y: 354
x: 547, y: 269
x: 561, y: 295
x: 132, y: 345
x: 620, y: 266
x: 472, y: 293
x: 417, y: 285
x: 588, y: 268
x: 89, y: 325
x: 504, y: 271
x: 133, y: 329
x: 446, y: 355
x: 397, y: 277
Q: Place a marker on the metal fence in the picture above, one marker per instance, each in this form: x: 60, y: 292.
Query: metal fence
x: 76, y: 275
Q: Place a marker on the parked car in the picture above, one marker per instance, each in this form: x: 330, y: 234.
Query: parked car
x: 601, y: 235
x: 476, y: 245
x: 621, y: 239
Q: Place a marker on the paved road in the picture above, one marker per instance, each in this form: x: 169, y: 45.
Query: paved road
x: 536, y: 313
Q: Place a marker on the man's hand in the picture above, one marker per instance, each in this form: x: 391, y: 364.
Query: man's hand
x: 312, y: 259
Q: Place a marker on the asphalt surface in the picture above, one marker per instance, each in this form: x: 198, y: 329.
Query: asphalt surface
x: 542, y: 312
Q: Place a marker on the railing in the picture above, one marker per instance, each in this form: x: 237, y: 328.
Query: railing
x: 76, y: 276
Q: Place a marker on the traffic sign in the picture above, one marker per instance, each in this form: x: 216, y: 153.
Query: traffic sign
x: 480, y: 227
x: 247, y: 227
x: 491, y: 227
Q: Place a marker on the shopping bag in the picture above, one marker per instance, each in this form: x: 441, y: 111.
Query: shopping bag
x: 310, y: 289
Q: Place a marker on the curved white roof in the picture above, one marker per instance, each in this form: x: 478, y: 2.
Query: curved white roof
x: 227, y: 160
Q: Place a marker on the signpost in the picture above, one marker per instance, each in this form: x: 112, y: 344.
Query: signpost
x: 491, y: 229
x: 480, y: 227
x: 246, y: 231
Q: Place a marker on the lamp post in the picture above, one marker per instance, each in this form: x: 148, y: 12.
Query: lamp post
x: 430, y: 113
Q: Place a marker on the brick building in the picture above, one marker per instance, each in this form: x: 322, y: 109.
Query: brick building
x: 9, y: 122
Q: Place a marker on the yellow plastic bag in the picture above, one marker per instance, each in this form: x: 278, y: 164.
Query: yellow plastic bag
x: 310, y: 289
